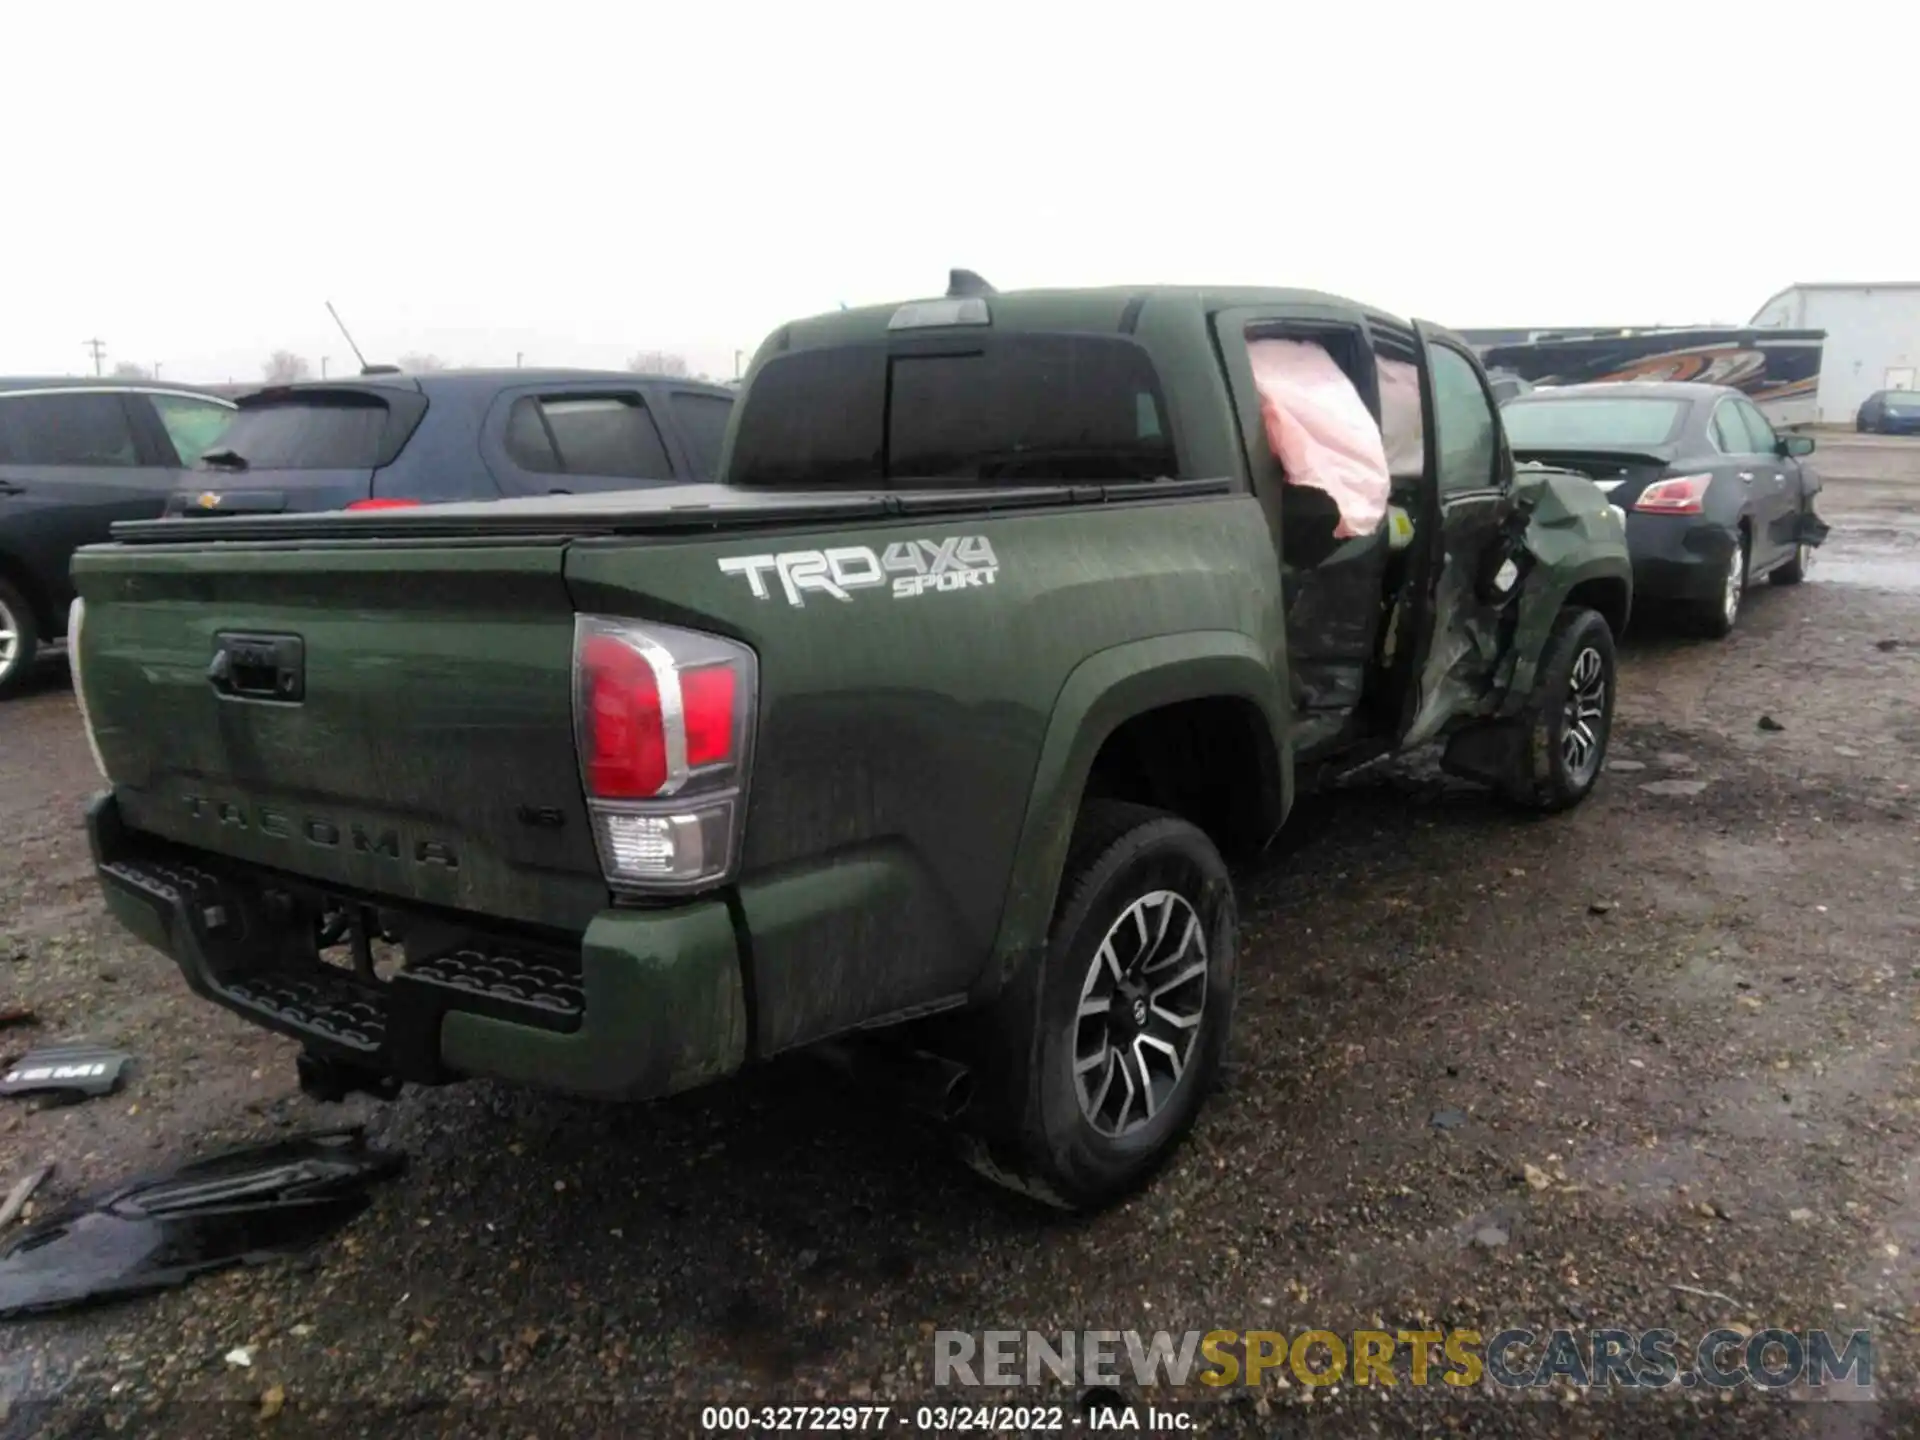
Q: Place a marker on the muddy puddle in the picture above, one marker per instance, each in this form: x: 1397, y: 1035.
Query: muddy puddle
x: 1880, y: 553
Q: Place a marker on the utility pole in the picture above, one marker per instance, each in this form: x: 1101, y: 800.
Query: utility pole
x: 99, y: 349
x: 518, y: 356
x: 736, y: 364
x: 156, y: 369
x: 323, y: 367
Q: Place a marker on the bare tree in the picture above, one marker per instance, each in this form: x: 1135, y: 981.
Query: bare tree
x: 127, y: 370
x: 658, y: 362
x: 284, y: 367
x: 416, y: 362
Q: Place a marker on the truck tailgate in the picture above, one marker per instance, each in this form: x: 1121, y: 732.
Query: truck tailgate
x: 393, y: 718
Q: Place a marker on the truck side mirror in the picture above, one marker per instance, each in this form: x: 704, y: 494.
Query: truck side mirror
x: 1796, y: 444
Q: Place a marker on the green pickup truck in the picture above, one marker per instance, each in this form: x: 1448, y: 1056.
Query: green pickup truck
x: 917, y: 741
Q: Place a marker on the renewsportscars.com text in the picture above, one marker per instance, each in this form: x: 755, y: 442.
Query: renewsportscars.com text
x: 1515, y: 1359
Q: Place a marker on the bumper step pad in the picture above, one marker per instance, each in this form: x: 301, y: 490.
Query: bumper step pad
x: 342, y: 1011
x: 504, y: 984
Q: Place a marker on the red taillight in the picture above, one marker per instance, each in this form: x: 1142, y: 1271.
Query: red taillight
x: 706, y: 699
x: 626, y: 740
x: 664, y: 719
x: 1682, y: 495
x: 381, y: 504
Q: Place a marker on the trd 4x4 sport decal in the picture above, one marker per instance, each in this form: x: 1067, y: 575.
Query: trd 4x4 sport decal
x: 911, y: 567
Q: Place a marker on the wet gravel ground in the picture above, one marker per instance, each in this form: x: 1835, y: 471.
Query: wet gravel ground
x: 1488, y: 1073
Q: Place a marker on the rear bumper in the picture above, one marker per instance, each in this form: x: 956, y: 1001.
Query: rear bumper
x: 1677, y: 557
x: 651, y: 1003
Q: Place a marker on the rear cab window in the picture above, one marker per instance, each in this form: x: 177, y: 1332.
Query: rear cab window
x: 1013, y: 409
x: 67, y: 428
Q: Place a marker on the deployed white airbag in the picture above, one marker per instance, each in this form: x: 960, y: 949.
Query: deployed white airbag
x: 1400, y: 419
x: 1321, y: 431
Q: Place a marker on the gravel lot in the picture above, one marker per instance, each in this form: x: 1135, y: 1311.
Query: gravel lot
x: 1693, y: 1014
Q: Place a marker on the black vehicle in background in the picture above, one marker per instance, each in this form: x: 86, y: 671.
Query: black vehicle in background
x: 1889, y: 412
x: 75, y: 456
x: 1712, y: 497
x: 386, y: 438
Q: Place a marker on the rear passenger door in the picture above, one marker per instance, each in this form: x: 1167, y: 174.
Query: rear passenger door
x: 579, y: 439
x: 72, y: 461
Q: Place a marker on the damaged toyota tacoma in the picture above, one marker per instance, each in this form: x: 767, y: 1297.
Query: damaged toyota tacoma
x: 916, y: 740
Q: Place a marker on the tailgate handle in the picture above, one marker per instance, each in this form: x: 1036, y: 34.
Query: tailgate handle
x: 259, y: 667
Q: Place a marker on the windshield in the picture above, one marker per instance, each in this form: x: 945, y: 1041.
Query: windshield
x: 322, y: 432
x: 1570, y: 422
x: 1018, y: 409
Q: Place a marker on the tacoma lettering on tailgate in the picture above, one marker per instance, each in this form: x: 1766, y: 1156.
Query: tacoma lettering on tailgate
x: 328, y: 834
x: 911, y: 567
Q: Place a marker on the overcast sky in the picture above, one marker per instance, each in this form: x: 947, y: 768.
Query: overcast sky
x: 191, y: 181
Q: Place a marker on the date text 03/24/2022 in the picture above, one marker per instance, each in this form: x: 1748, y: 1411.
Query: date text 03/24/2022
x: 941, y: 1419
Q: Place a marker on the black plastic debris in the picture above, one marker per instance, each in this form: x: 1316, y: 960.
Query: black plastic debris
x: 77, y: 1069
x: 243, y: 1206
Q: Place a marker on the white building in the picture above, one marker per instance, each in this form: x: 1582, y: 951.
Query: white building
x: 1873, y: 339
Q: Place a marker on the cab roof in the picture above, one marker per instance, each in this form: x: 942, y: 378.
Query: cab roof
x: 1117, y: 308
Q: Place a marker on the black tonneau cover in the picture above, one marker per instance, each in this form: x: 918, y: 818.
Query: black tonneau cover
x: 674, y: 509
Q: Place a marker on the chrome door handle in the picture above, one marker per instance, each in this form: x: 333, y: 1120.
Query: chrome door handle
x: 1746, y: 477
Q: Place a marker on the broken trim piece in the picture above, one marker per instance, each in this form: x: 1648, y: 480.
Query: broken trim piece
x: 238, y: 1207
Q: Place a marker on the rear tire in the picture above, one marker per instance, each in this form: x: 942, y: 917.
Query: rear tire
x: 19, y: 640
x: 1114, y: 1056
x: 1570, y: 719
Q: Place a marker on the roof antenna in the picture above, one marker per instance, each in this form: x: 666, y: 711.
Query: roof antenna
x: 964, y: 283
x: 365, y: 369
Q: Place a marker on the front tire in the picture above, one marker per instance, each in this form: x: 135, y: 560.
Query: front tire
x: 1795, y: 570
x: 1570, y: 719
x: 1134, y: 1007
x: 19, y: 640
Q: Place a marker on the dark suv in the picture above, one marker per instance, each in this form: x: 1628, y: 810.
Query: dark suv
x: 75, y: 456
x: 384, y: 439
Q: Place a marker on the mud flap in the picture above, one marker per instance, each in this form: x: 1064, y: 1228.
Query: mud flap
x: 1812, y: 529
